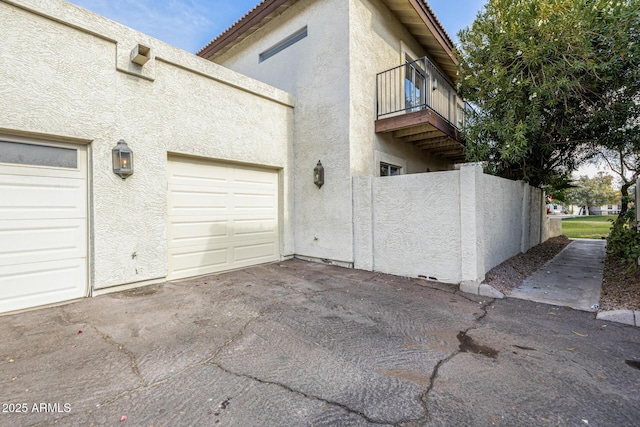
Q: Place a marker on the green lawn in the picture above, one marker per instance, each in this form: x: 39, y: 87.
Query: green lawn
x: 587, y: 227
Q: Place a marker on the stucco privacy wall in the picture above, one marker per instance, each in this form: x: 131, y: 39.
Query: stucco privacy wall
x: 315, y: 70
x: 504, y: 215
x: 451, y: 226
x: 409, y: 225
x: 65, y: 75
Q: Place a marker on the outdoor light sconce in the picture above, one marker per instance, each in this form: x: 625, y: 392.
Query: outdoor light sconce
x: 318, y: 175
x: 122, y: 160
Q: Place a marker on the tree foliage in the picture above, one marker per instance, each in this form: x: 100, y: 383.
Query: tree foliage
x: 624, y: 161
x: 624, y: 239
x: 589, y: 192
x: 546, y: 78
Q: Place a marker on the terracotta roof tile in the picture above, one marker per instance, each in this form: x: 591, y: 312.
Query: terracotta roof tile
x: 244, y: 17
x: 263, y: 5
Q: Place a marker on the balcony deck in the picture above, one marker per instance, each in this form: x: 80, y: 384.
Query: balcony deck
x: 418, y: 105
x: 427, y: 130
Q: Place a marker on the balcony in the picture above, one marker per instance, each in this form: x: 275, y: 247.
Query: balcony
x: 418, y: 105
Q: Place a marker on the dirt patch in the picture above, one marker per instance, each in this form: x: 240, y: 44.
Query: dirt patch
x: 620, y: 288
x: 511, y: 273
x: 137, y: 292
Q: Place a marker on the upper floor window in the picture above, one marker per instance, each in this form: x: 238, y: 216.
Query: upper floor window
x: 282, y: 45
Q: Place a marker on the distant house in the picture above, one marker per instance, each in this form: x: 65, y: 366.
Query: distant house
x: 554, y: 208
x: 595, y: 210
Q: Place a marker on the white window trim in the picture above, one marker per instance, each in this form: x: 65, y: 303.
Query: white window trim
x: 381, y: 157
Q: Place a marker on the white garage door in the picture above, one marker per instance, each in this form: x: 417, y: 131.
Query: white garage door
x: 221, y: 216
x: 43, y: 224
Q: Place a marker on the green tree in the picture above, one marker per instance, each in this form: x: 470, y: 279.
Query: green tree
x: 547, y: 76
x: 624, y: 161
x: 589, y: 192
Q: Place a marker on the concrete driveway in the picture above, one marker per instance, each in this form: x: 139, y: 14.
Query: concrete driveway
x: 302, y: 344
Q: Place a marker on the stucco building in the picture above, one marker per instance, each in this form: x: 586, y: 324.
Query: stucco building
x: 224, y: 151
x: 373, y: 83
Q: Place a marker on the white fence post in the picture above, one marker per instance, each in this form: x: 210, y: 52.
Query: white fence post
x: 471, y: 224
x: 526, y: 216
x: 362, y: 196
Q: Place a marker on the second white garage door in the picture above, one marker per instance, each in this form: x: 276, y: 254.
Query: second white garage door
x: 221, y: 216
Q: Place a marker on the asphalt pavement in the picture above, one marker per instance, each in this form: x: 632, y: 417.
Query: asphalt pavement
x: 303, y: 344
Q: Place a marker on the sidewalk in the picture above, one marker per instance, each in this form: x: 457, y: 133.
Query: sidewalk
x: 573, y: 278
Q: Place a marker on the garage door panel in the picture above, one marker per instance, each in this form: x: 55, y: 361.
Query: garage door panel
x: 28, y: 285
x: 254, y: 201
x: 254, y: 178
x: 198, y: 261
x: 31, y: 197
x: 235, y: 228
x: 255, y: 252
x: 35, y: 241
x: 193, y: 233
x: 254, y: 227
x: 187, y: 199
x: 184, y: 170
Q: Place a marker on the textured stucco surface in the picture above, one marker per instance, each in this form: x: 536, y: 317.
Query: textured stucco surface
x: 315, y: 70
x: 514, y: 220
x: 503, y: 219
x: 332, y: 73
x: 416, y: 227
x: 65, y: 74
x: 377, y: 42
x: 452, y: 226
x: 554, y: 227
x: 363, y: 223
x: 535, y: 215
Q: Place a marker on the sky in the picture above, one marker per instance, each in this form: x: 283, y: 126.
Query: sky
x: 191, y: 24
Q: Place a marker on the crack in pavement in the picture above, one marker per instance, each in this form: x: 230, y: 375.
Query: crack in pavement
x: 238, y: 334
x: 144, y: 386
x: 301, y: 393
x: 423, y: 398
x: 123, y: 349
x: 436, y: 369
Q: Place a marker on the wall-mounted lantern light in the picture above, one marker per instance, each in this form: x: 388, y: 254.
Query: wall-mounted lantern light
x: 122, y: 160
x: 318, y: 175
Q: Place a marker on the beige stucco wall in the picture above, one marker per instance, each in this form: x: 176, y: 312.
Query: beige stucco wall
x: 503, y: 212
x: 332, y: 73
x: 315, y: 70
x: 65, y: 74
x: 378, y: 42
x: 452, y: 226
x: 554, y: 227
x: 409, y: 225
